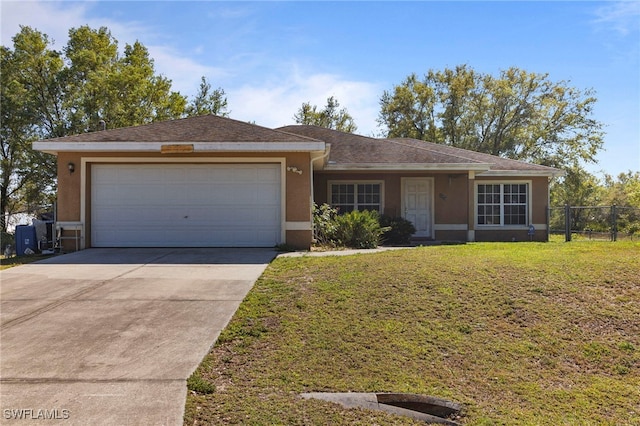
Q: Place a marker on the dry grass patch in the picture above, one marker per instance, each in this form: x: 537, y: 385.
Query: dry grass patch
x: 519, y: 333
x: 10, y: 262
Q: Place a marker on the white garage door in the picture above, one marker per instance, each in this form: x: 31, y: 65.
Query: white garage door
x: 179, y: 205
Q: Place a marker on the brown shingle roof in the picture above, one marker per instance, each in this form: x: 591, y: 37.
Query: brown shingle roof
x: 348, y: 148
x: 205, y: 128
x: 497, y: 163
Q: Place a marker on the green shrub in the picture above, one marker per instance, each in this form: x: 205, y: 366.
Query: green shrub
x: 399, y: 230
x: 324, y: 226
x: 358, y: 229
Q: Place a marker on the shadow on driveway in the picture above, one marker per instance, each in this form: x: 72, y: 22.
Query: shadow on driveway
x: 165, y: 256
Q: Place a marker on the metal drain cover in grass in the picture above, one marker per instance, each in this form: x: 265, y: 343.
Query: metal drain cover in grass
x: 419, y: 407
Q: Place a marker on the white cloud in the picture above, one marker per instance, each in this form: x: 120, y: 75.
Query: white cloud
x: 273, y: 103
x: 52, y: 18
x: 56, y: 18
x: 183, y: 71
x: 622, y: 16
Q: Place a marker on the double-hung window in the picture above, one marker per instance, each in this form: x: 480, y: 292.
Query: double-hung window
x: 349, y: 196
x: 503, y: 204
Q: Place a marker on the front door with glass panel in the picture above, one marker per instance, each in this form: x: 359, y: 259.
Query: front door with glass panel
x: 417, y: 194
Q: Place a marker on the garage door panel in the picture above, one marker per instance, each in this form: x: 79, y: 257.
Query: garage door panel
x: 126, y: 175
x: 268, y: 175
x: 238, y: 196
x: 245, y: 173
x: 105, y: 177
x: 108, y: 194
x: 267, y: 195
x: 174, y: 175
x: 176, y: 205
x: 243, y: 237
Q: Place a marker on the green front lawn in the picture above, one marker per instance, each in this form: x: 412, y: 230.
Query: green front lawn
x: 519, y: 333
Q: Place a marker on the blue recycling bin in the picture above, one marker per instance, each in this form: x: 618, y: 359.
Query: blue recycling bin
x: 25, y: 239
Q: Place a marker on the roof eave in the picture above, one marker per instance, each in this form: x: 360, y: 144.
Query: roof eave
x: 509, y: 173
x: 478, y: 167
x: 130, y: 147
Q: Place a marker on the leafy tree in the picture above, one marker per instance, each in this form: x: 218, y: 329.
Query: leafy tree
x: 46, y: 93
x: 31, y: 94
x: 580, y: 188
x: 119, y: 90
x: 517, y: 115
x: 633, y: 191
x: 623, y: 190
x: 576, y: 188
x: 92, y: 55
x: 207, y: 101
x: 410, y: 111
x: 330, y: 117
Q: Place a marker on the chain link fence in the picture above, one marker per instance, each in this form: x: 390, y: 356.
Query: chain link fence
x: 610, y: 223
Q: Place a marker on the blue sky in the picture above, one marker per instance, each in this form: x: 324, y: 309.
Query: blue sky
x: 270, y: 57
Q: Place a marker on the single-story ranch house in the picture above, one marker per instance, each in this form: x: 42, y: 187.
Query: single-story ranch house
x: 210, y: 181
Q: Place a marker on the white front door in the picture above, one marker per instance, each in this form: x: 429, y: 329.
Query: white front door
x: 417, y: 194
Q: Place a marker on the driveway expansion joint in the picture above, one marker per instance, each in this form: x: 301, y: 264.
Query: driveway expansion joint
x: 72, y: 297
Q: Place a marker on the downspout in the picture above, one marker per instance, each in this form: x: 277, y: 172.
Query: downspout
x: 321, y: 157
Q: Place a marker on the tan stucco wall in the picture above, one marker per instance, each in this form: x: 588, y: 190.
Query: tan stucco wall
x: 299, y: 239
x: 453, y: 201
x: 68, y: 200
x: 451, y: 235
x: 510, y: 235
x: 68, y: 188
x: 297, y: 186
x: 450, y: 192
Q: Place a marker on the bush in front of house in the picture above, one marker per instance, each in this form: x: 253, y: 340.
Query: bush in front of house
x: 354, y: 229
x: 324, y: 226
x: 399, y: 230
x: 358, y: 229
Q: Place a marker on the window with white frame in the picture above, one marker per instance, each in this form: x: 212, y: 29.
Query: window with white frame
x: 349, y: 196
x: 503, y: 204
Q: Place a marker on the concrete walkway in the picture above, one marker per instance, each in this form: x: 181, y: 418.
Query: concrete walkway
x: 109, y: 336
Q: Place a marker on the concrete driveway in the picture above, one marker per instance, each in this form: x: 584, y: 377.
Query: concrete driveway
x: 109, y: 336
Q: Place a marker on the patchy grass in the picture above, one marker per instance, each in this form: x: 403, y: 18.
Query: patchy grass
x: 8, y: 262
x: 520, y: 333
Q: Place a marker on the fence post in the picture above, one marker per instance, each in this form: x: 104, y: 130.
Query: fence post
x: 567, y: 222
x: 614, y: 223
